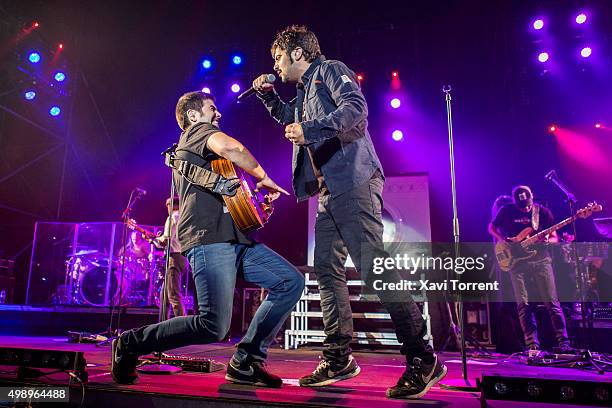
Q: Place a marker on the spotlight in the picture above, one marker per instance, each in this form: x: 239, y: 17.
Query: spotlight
x: 206, y: 90
x: 395, y: 103
x: 60, y: 46
x: 552, y: 128
x: 395, y: 74
x: 538, y: 24
x: 581, y: 18
x: 543, y: 57
x: 35, y: 24
x: 602, y: 394
x: 206, y: 64
x: 235, y: 88
x: 360, y: 77
x: 34, y: 57
x: 237, y: 60
x: 501, y: 388
x: 597, y: 125
x: 29, y: 95
x: 55, y: 111
x: 534, y: 390
x: 59, y: 76
x: 567, y: 393
x: 586, y: 52
x: 397, y: 135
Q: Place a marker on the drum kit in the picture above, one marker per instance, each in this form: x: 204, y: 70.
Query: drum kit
x: 93, y: 278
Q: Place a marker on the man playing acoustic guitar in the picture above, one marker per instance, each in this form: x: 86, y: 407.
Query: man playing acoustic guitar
x: 217, y: 251
x: 535, y: 272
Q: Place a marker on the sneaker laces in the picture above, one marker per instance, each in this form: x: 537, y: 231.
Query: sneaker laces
x: 323, y: 365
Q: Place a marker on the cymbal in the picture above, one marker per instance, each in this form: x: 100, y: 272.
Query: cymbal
x: 84, y: 252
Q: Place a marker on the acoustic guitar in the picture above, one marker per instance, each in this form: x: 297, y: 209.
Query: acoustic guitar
x: 250, y: 210
x: 508, y: 254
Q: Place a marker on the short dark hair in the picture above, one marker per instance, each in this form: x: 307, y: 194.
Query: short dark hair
x: 296, y: 36
x: 190, y: 100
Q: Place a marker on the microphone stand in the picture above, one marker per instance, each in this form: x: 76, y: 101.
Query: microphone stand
x: 464, y: 383
x: 580, y: 278
x: 156, y: 366
x: 113, y: 334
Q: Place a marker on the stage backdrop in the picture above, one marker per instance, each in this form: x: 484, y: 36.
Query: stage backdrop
x: 405, y: 213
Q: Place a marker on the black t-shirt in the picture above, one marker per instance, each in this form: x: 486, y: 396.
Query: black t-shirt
x: 204, y: 219
x: 511, y: 221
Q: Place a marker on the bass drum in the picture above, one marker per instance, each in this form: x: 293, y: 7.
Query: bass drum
x: 92, y: 285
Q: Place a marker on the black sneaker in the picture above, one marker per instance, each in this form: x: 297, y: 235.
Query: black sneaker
x: 123, y: 363
x: 251, y: 372
x: 328, y: 373
x: 418, y: 379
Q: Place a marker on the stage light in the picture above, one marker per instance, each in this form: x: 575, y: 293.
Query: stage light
x: 60, y: 46
x: 235, y: 88
x: 586, y: 52
x: 397, y: 135
x: 35, y: 24
x: 534, y: 390
x: 581, y: 18
x: 29, y: 95
x: 598, y: 126
x: 206, y: 90
x: 59, y: 76
x: 55, y: 111
x: 237, y: 60
x: 395, y: 74
x: 206, y: 64
x: 34, y: 57
x: 567, y: 393
x: 360, y: 77
x: 602, y: 394
x: 538, y: 24
x: 552, y: 128
x: 395, y: 103
x: 543, y: 57
x: 501, y: 388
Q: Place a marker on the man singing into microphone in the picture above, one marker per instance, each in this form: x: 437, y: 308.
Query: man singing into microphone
x: 333, y: 156
x: 217, y: 251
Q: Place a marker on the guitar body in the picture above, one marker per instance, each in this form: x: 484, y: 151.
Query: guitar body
x: 508, y: 254
x: 248, y: 209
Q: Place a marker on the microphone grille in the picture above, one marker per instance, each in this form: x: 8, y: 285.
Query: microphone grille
x: 270, y: 78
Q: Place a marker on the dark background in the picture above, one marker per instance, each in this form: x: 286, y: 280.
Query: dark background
x: 127, y: 63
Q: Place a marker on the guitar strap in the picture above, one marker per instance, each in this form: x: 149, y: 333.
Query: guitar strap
x: 190, y: 166
x: 535, y: 217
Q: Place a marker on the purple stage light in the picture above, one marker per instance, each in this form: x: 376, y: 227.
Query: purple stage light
x: 34, y: 57
x: 543, y: 57
x: 581, y: 18
x: 586, y: 52
x: 235, y: 88
x: 538, y: 24
x: 397, y: 135
x: 29, y: 95
x: 55, y: 111
x: 206, y: 90
x: 395, y: 103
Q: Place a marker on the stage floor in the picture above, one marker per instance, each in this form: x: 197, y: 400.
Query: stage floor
x: 380, y: 370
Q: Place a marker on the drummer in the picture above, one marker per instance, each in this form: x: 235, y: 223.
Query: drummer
x: 137, y: 247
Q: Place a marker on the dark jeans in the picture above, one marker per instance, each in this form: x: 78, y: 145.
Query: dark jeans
x: 177, y: 266
x: 346, y: 225
x: 214, y: 268
x: 538, y: 276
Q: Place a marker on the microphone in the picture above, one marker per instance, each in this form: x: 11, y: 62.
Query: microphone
x: 551, y: 175
x: 140, y: 191
x: 270, y: 78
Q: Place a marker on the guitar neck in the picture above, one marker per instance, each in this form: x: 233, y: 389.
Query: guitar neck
x: 547, y: 231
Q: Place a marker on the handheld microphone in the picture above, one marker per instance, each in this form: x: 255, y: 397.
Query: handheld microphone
x: 270, y: 78
x: 140, y: 191
x: 551, y: 175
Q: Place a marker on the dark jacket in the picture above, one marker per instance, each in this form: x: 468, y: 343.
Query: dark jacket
x: 333, y: 113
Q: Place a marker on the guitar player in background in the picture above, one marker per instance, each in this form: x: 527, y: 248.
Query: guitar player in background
x: 535, y: 273
x: 217, y: 251
x: 177, y: 262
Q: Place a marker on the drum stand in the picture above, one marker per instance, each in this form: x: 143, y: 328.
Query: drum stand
x: 156, y: 366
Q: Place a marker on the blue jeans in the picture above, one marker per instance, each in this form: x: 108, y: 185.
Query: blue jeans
x: 215, y: 267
